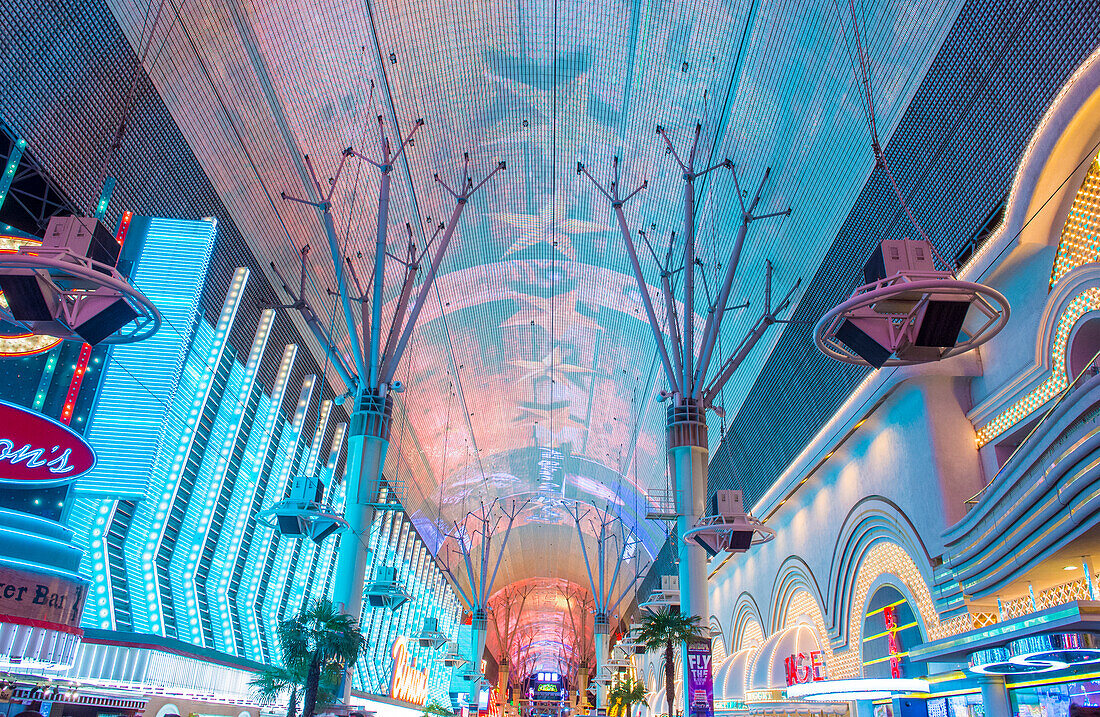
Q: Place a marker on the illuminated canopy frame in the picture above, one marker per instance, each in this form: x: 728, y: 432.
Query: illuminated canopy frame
x: 857, y: 689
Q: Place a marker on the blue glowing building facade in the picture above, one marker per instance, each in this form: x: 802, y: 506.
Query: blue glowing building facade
x: 196, y: 438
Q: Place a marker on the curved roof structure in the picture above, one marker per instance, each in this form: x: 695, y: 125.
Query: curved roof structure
x: 531, y: 377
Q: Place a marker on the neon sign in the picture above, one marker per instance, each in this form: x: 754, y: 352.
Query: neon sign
x: 1038, y: 653
x: 38, y: 451
x: 804, y: 667
x: 408, y: 683
x: 893, y: 644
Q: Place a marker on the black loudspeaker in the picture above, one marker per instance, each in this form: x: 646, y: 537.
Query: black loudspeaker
x: 942, y: 322
x: 325, y: 531
x: 862, y: 344
x: 710, y: 549
x: 875, y: 268
x: 97, y: 317
x: 740, y: 540
x: 29, y: 297
x: 289, y: 524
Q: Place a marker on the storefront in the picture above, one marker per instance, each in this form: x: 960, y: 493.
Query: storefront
x: 1038, y: 665
x: 753, y: 681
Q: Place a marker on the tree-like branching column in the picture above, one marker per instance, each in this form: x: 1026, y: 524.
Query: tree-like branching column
x: 506, y: 608
x: 613, y: 546
x: 370, y: 377
x: 479, y: 540
x: 684, y: 361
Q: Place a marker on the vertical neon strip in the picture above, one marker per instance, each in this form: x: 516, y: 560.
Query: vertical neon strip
x: 240, y: 507
x: 204, y: 495
x: 47, y: 378
x: 135, y: 426
x: 333, y: 494
x: 105, y: 197
x: 74, y: 384
x: 171, y: 484
x: 102, y: 589
x: 280, y: 566
x: 137, y: 421
x: 123, y: 227
x: 257, y: 554
x: 310, y: 464
x: 97, y: 514
x: 9, y: 171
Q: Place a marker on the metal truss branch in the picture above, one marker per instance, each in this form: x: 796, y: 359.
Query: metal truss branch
x: 643, y: 289
x: 714, y: 318
x: 392, y: 359
x: 769, y: 317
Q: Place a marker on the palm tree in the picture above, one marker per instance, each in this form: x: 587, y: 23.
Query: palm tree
x: 319, y: 644
x: 434, y: 708
x: 665, y: 629
x: 272, y: 682
x: 624, y: 695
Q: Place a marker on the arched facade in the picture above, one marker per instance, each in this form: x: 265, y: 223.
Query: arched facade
x: 883, y: 495
x: 748, y: 628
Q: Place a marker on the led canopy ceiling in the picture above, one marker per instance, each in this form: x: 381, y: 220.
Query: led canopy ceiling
x: 530, y: 378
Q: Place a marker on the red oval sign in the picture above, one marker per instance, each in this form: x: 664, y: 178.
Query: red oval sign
x: 37, y: 450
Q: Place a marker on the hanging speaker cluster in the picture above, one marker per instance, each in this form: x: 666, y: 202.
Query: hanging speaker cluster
x: 728, y: 527
x: 386, y: 589
x: 68, y: 286
x: 908, y: 312
x: 303, y: 514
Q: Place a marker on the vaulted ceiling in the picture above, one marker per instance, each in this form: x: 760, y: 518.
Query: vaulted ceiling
x: 531, y: 374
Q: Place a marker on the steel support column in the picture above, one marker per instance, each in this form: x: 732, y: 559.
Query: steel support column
x: 368, y: 441
x: 479, y: 633
x: 687, y: 462
x: 995, y: 696
x: 600, y: 639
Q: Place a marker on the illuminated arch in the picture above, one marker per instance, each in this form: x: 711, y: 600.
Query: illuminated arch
x: 1068, y: 128
x: 871, y: 521
x: 718, y: 640
x: 747, y: 628
x: 794, y: 575
x: 887, y: 563
x: 1077, y: 293
x: 1067, y: 131
x: 799, y: 605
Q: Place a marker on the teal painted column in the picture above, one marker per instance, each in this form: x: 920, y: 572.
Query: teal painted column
x: 995, y: 696
x: 368, y: 441
x: 479, y: 631
x: 688, y: 457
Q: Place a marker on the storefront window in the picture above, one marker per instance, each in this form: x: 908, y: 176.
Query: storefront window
x: 965, y: 705
x: 1054, y: 700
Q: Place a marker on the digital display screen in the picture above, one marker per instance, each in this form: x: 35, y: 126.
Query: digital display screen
x: 937, y: 707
